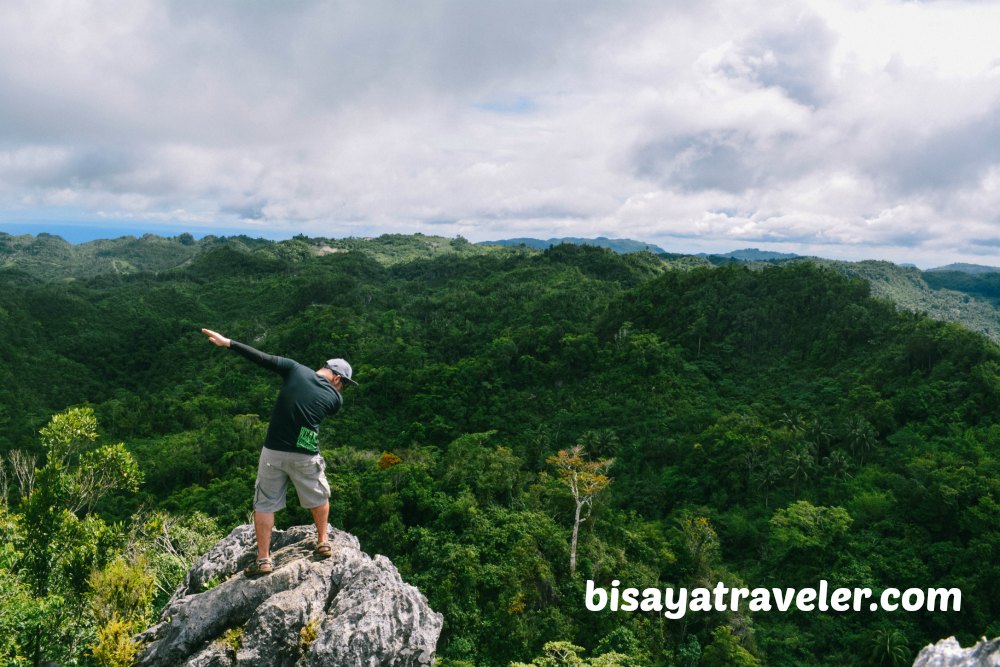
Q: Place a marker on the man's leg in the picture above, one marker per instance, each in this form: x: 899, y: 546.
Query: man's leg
x: 269, y: 497
x: 263, y: 523
x: 320, y: 516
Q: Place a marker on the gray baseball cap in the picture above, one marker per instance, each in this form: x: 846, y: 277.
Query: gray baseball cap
x: 341, y: 368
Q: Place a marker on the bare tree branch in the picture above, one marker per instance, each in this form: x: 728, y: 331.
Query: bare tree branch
x: 23, y: 465
x: 4, y: 483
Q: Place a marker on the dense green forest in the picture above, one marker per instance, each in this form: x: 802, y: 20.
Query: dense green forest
x: 984, y: 286
x: 769, y: 425
x: 969, y: 296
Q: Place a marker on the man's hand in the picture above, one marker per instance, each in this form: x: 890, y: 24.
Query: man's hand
x: 216, y: 338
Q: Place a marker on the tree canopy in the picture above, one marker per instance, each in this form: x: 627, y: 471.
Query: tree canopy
x: 769, y: 425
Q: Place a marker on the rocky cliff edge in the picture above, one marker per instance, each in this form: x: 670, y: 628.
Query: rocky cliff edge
x: 949, y: 653
x: 350, y: 609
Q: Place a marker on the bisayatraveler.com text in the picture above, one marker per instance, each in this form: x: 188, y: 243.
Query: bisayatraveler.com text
x: 674, y: 603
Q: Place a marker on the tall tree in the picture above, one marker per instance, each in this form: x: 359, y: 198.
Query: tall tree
x: 585, y: 480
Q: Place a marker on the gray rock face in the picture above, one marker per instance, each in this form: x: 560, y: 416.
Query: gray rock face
x: 948, y: 653
x: 348, y: 610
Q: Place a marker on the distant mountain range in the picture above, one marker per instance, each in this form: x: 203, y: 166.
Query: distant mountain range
x: 624, y: 246
x: 965, y: 293
x: 745, y: 255
x: 967, y: 268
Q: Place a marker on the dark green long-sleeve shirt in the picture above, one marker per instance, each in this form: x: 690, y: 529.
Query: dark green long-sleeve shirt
x: 304, y: 400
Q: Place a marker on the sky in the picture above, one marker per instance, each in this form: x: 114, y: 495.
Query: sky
x: 851, y: 130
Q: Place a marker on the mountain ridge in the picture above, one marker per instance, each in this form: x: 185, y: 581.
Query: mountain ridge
x: 618, y: 245
x: 962, y: 267
x: 955, y: 295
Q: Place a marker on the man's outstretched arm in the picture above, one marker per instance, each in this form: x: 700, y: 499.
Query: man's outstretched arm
x: 216, y: 338
x: 268, y: 361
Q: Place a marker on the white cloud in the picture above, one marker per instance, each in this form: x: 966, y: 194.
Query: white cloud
x: 854, y: 127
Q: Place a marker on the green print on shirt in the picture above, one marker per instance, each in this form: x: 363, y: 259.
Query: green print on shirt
x: 308, y: 440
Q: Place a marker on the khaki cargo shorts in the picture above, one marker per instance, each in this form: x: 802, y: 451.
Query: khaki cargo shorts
x: 306, y: 471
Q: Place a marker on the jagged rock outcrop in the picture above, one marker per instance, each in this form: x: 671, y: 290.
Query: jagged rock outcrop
x: 949, y: 653
x: 347, y: 610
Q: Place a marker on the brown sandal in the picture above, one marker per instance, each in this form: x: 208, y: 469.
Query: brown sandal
x: 324, y: 550
x: 259, y: 567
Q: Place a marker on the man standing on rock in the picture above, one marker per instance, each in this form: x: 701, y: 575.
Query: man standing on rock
x: 291, y: 448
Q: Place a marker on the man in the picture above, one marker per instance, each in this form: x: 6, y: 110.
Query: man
x: 291, y: 450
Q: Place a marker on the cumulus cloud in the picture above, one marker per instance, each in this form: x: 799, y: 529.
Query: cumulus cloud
x: 851, y: 127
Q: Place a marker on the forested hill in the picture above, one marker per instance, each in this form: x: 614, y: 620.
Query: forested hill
x: 951, y: 296
x: 772, y: 425
x: 49, y: 257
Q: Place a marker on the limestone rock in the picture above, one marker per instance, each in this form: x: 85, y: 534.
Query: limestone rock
x: 347, y: 610
x: 948, y: 653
